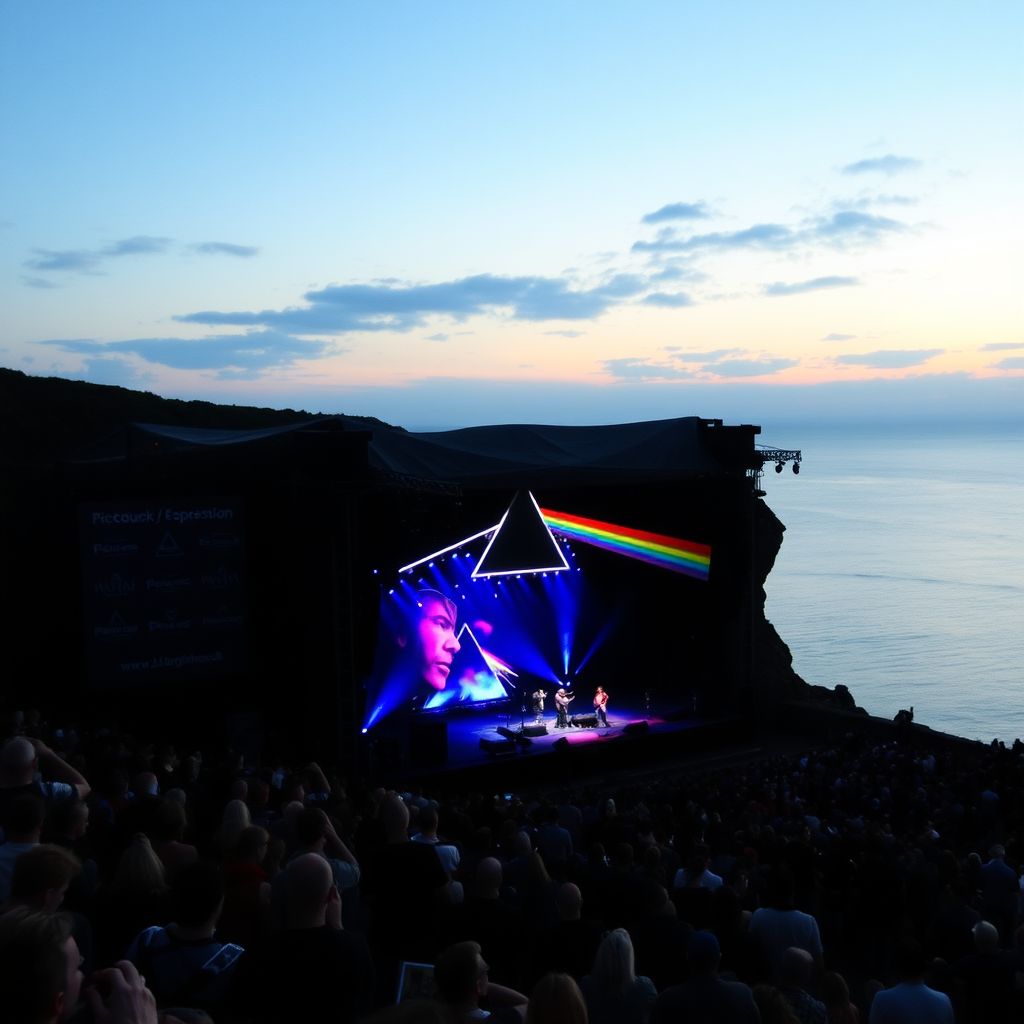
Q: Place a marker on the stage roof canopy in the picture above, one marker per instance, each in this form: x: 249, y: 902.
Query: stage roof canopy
x: 513, y: 455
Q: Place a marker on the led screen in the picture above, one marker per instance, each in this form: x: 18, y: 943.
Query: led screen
x: 448, y: 639
x: 457, y: 630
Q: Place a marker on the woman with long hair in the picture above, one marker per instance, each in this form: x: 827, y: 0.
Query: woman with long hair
x: 233, y: 822
x: 556, y: 999
x: 613, y: 992
x: 138, y: 898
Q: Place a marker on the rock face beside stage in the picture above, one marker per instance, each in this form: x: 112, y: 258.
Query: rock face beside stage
x: 775, y: 676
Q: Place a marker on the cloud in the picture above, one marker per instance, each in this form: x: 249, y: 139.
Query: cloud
x: 677, y: 211
x: 38, y: 282
x: 759, y: 236
x: 749, y: 367
x: 438, y: 337
x: 62, y: 259
x: 669, y: 300
x: 138, y: 245
x: 814, y: 285
x: 847, y: 227
x: 1001, y: 346
x: 567, y: 334
x: 709, y: 357
x: 1010, y: 363
x: 368, y: 307
x: 231, y: 355
x: 643, y: 369
x: 892, y: 359
x: 839, y: 337
x: 85, y: 260
x: 224, y: 249
x: 888, y: 164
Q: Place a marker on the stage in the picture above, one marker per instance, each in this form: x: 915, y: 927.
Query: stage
x: 490, y: 746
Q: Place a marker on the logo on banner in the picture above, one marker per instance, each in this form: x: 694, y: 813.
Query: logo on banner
x: 116, y: 629
x: 115, y: 547
x: 220, y: 580
x: 115, y: 585
x: 218, y: 541
x: 170, y: 623
x: 168, y: 584
x: 169, y: 548
x: 223, y: 618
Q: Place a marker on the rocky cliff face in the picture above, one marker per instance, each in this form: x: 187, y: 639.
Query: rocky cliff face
x: 773, y: 660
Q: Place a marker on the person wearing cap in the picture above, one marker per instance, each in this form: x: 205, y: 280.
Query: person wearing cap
x: 706, y: 996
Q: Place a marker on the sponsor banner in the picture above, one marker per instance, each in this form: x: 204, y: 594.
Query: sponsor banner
x: 164, y: 589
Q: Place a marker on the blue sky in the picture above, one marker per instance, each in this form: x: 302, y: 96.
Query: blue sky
x: 447, y: 214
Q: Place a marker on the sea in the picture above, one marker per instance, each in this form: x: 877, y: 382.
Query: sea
x: 901, y: 573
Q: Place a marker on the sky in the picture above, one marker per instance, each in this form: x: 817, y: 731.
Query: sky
x: 446, y: 214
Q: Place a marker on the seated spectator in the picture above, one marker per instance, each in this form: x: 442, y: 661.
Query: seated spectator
x: 705, y: 997
x: 987, y: 975
x: 407, y: 890
x: 797, y: 969
x: 660, y: 939
x: 312, y: 970
x: 448, y: 852
x: 20, y: 760
x: 234, y: 818
x: 246, y: 915
x: 537, y: 893
x: 1000, y: 889
x: 772, y: 1005
x: 183, y: 964
x: 40, y: 878
x: 139, y: 898
x: 41, y: 981
x: 911, y: 999
x: 166, y: 835
x: 461, y: 977
x: 952, y: 928
x: 570, y: 944
x: 613, y: 992
x: 556, y: 999
x: 779, y: 926
x: 23, y: 826
x: 835, y: 994
x: 694, y: 901
x: 498, y: 926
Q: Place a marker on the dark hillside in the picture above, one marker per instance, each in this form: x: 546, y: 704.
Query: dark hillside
x: 46, y: 419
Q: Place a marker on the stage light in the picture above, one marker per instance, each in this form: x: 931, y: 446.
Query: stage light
x: 778, y: 467
x: 363, y: 732
x: 796, y: 467
x: 375, y: 571
x: 390, y: 591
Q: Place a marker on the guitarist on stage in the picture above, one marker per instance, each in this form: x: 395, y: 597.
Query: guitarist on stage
x: 600, y: 703
x: 562, y: 701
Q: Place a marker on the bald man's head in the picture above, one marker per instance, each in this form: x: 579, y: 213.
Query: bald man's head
x: 796, y: 967
x: 488, y: 877
x: 570, y: 902
x: 308, y: 885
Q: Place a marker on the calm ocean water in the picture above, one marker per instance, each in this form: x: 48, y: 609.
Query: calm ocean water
x: 902, y: 569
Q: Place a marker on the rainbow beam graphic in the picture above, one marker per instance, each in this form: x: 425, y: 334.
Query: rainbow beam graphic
x: 667, y: 552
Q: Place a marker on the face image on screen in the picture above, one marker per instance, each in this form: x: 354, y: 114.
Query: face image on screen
x: 428, y: 659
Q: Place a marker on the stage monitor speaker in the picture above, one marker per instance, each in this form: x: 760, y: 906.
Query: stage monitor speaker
x: 497, y: 748
x: 428, y: 743
x: 515, y: 736
x: 561, y: 745
x: 535, y: 730
x: 584, y: 721
x: 635, y: 728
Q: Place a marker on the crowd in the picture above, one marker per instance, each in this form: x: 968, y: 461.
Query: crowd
x: 872, y: 882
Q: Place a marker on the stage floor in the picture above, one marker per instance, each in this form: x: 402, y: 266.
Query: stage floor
x: 466, y: 731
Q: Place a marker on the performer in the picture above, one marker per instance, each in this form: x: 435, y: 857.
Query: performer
x: 600, y: 703
x: 538, y: 704
x: 562, y: 702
